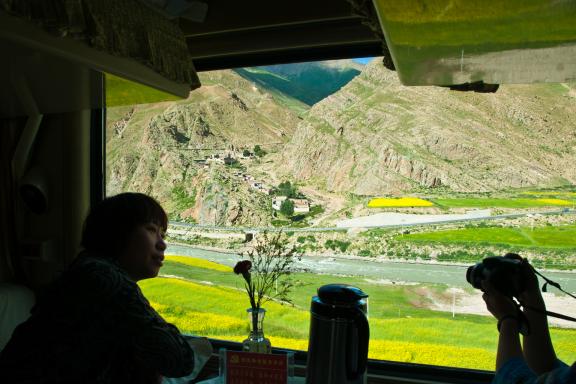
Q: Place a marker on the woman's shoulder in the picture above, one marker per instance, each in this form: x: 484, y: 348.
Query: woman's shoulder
x: 97, y: 274
x: 87, y: 263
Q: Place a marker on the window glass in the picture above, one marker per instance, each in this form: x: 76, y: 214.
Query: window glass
x: 396, y: 190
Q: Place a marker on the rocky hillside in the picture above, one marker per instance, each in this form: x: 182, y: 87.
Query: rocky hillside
x: 376, y: 137
x: 160, y: 149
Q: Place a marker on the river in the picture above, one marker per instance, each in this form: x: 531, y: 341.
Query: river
x: 451, y: 275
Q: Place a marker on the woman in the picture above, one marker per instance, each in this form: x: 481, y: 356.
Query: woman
x: 93, y: 325
x: 536, y: 361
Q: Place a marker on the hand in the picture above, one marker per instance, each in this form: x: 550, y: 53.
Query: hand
x: 202, y: 352
x: 201, y: 345
x: 531, y: 294
x: 498, y: 304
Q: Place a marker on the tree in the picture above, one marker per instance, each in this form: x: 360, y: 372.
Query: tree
x: 246, y: 153
x: 286, y: 189
x: 259, y: 151
x: 287, y: 207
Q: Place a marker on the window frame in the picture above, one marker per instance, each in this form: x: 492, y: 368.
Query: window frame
x: 379, y: 371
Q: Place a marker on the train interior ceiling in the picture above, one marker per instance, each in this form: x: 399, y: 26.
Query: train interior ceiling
x: 55, y: 57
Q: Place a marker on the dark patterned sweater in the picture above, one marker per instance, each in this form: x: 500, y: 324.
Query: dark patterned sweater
x: 94, y: 325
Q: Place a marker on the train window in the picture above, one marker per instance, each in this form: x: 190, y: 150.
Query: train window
x: 393, y: 189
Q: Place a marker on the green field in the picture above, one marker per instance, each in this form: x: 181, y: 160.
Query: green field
x: 502, y: 203
x: 208, y: 300
x: 560, y: 237
x: 120, y: 91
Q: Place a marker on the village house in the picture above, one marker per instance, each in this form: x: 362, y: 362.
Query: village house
x: 301, y: 205
x: 265, y: 189
x: 215, y: 160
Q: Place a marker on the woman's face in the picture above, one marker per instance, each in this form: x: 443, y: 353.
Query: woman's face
x: 144, y: 252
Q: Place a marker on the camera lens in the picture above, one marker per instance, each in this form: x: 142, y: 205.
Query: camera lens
x: 474, y: 275
x: 469, y: 273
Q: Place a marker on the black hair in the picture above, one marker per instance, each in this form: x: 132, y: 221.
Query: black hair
x: 110, y: 222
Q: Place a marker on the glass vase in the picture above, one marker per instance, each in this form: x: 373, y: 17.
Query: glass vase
x: 256, y: 342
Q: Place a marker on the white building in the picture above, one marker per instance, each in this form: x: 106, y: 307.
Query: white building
x: 277, y: 202
x: 300, y: 205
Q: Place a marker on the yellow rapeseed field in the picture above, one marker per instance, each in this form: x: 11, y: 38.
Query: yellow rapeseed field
x: 199, y: 263
x: 405, y: 352
x: 386, y: 202
x: 433, y: 354
x: 220, y: 313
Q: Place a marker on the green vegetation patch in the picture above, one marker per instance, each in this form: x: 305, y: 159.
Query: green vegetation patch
x: 561, y: 237
x: 120, y: 91
x: 181, y: 200
x: 334, y: 245
x: 500, y: 202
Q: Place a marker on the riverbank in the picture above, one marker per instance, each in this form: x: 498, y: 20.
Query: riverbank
x: 394, y: 270
x: 377, y: 259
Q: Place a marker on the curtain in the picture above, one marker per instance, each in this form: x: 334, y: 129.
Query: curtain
x: 126, y: 28
x: 10, y: 268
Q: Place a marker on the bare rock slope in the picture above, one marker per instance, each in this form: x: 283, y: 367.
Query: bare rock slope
x: 159, y: 149
x: 376, y: 136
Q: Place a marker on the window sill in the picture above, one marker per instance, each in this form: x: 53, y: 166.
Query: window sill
x: 379, y: 371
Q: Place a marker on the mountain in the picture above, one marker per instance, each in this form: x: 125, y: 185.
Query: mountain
x: 307, y: 82
x: 376, y: 136
x: 160, y: 149
x: 371, y: 137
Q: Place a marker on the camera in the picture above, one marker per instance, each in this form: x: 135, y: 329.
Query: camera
x: 504, y: 273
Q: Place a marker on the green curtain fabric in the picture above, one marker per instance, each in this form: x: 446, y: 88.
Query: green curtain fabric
x: 365, y: 9
x: 126, y: 28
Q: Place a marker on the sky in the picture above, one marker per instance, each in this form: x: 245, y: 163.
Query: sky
x: 363, y: 60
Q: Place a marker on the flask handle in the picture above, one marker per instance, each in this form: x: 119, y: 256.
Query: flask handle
x: 361, y: 323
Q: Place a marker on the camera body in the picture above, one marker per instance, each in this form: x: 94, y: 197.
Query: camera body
x: 504, y: 273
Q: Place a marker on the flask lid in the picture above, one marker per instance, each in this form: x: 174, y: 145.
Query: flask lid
x: 340, y: 294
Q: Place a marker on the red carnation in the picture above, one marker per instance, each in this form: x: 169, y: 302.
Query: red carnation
x: 243, y: 267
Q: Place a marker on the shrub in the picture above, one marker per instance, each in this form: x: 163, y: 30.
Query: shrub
x: 259, y: 151
x: 337, y: 244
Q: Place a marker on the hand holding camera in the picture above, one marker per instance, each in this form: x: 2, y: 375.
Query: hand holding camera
x: 504, y: 279
x: 512, y: 295
x: 500, y: 306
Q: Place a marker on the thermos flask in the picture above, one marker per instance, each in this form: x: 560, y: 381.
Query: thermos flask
x: 339, y: 334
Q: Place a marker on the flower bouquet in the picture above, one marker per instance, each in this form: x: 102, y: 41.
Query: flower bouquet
x: 266, y: 270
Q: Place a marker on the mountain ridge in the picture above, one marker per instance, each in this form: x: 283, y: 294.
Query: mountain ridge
x: 376, y: 136
x: 372, y: 137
